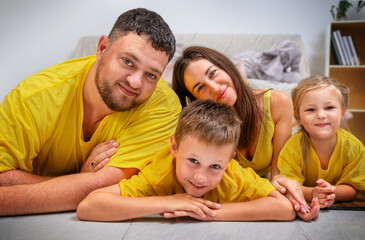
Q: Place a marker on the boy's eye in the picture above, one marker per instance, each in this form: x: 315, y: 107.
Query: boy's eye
x: 193, y: 160
x: 215, y: 166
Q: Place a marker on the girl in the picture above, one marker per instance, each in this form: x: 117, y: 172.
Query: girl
x: 266, y: 115
x: 328, y: 161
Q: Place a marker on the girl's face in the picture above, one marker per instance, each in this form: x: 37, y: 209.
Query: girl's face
x: 206, y: 81
x: 321, y: 113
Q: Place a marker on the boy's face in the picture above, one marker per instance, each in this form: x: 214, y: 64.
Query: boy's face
x: 199, y: 167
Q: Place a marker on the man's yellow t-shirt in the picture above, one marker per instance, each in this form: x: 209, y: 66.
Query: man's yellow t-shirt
x: 41, y: 124
x: 238, y: 184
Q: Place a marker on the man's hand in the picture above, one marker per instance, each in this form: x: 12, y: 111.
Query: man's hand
x: 325, y: 193
x: 313, y: 214
x: 185, y: 205
x: 292, y: 190
x: 100, y: 156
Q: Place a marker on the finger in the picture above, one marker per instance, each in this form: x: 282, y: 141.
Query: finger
x: 209, y: 204
x: 296, y: 192
x: 101, y: 165
x: 97, y: 159
x: 294, y: 202
x: 278, y: 187
x: 192, y: 214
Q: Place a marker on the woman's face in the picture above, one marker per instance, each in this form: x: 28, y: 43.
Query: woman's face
x: 206, y: 81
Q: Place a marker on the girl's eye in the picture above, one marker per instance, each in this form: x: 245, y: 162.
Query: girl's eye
x: 215, y: 166
x: 310, y: 110
x: 330, y: 107
x: 193, y: 160
x: 212, y: 73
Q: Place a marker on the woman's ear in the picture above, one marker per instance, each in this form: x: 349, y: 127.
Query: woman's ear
x: 173, y: 146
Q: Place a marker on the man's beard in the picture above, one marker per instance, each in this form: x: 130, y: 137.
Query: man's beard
x: 123, y: 103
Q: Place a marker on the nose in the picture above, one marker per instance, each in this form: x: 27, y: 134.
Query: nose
x: 135, y: 80
x: 212, y: 86
x: 321, y: 114
x: 200, y: 176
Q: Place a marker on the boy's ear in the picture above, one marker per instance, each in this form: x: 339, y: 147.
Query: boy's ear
x: 173, y: 146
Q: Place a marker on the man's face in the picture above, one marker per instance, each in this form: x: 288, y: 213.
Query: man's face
x: 128, y: 71
x: 199, y: 167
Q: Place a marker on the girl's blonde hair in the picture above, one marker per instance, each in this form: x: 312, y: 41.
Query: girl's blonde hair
x: 310, y: 84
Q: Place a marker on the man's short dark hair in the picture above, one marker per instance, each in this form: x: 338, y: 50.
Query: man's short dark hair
x: 145, y: 23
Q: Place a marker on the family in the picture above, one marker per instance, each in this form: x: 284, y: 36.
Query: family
x: 106, y: 136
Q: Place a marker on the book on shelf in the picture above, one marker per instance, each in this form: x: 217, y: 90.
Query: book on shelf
x: 353, y: 50
x: 344, y: 50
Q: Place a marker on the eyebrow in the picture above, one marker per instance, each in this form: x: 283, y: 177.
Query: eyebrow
x: 206, y: 73
x: 138, y: 61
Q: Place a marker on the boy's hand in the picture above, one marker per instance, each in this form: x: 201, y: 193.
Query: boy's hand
x: 185, y: 205
x: 291, y: 189
x: 325, y: 193
x: 100, y: 155
x: 313, y: 214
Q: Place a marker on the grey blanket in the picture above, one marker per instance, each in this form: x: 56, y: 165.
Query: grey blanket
x: 280, y: 64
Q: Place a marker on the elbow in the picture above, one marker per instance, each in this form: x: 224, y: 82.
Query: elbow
x: 85, y: 208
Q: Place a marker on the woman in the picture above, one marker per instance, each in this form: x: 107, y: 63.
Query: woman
x: 266, y: 115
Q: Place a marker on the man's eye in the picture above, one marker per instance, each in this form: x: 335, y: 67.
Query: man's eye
x: 193, y: 160
x: 152, y: 76
x: 126, y: 61
x: 215, y: 166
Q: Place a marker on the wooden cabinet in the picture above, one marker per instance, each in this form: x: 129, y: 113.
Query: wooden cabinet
x: 351, y: 76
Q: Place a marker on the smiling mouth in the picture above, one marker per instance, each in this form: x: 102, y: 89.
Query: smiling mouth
x: 222, y: 94
x: 196, y: 186
x: 127, y: 92
x: 321, y: 125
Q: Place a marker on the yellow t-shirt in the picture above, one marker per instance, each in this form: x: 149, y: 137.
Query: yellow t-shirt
x: 346, y: 165
x: 159, y: 179
x: 261, y: 161
x: 41, y: 122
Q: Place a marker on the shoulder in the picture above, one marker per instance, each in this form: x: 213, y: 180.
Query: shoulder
x: 281, y: 106
x: 349, y: 140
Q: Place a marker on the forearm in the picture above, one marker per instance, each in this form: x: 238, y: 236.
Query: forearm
x: 266, y: 208
x: 58, y: 194
x: 103, y: 206
x: 307, y: 192
x: 16, y: 177
x: 345, y: 193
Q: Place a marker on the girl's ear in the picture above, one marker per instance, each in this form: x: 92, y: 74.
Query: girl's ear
x: 173, y: 146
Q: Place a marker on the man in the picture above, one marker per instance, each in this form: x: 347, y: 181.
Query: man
x: 61, y: 126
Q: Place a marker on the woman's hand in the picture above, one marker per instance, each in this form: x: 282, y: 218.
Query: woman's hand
x: 100, y: 155
x: 292, y: 190
x: 313, y: 214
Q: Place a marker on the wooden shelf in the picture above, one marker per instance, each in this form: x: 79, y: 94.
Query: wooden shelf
x: 352, y: 76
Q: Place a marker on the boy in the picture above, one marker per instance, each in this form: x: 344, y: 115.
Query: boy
x: 198, y: 179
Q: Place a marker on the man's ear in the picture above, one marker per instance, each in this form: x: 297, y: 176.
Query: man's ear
x: 173, y: 146
x: 102, y: 45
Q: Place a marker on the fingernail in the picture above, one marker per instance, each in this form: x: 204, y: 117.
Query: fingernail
x: 218, y: 205
x: 112, y: 150
x: 115, y: 144
x: 214, y: 213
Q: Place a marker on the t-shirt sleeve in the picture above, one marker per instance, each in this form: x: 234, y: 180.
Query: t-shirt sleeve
x: 290, y: 161
x: 353, y: 173
x: 19, y: 135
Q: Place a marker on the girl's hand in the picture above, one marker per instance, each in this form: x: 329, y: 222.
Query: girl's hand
x: 292, y: 190
x: 325, y: 193
x: 312, y: 214
x: 185, y: 205
x: 100, y: 155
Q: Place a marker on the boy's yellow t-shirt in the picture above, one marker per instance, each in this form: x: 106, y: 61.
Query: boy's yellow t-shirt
x: 159, y: 179
x: 41, y: 124
x: 346, y: 165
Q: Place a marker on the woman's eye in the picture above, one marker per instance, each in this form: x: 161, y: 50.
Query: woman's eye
x: 212, y: 73
x: 193, y: 160
x: 200, y: 88
x: 215, y: 166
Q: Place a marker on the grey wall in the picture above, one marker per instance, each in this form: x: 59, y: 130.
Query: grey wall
x: 40, y: 33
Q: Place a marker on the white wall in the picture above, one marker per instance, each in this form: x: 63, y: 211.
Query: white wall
x: 40, y: 33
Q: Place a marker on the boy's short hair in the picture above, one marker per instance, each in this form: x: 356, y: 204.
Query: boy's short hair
x: 145, y: 23
x: 211, y: 122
